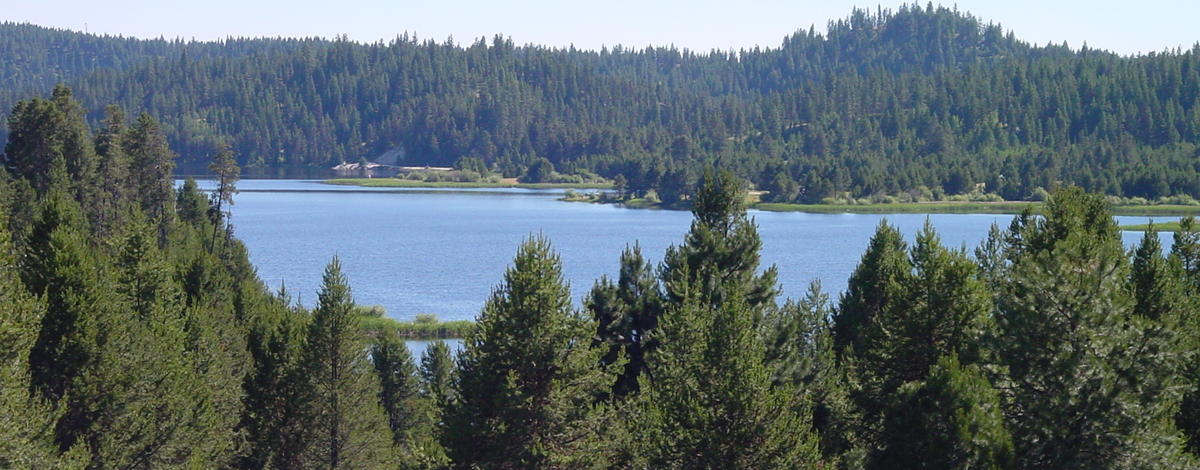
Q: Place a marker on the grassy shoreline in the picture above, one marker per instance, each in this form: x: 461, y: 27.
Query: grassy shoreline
x: 402, y: 183
x: 937, y: 207
x: 934, y: 207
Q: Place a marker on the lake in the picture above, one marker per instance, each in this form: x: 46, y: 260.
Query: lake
x: 442, y: 251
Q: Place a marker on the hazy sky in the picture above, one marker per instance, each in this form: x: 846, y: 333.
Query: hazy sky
x: 1124, y: 26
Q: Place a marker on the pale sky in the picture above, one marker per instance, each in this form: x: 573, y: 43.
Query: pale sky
x: 1124, y: 26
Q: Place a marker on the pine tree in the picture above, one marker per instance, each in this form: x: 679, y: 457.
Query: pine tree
x: 277, y: 387
x: 1157, y: 291
x: 873, y: 287
x: 626, y: 313
x: 1185, y: 258
x: 348, y: 425
x: 113, y: 169
x: 400, y: 393
x: 227, y: 171
x: 150, y: 165
x: 527, y: 380
x: 711, y: 404
x: 140, y: 390
x: 58, y: 264
x: 1087, y: 376
x: 437, y: 371
x: 800, y: 353
x: 940, y: 309
x: 26, y: 421
x: 41, y: 131
x: 720, y: 252
x: 951, y: 420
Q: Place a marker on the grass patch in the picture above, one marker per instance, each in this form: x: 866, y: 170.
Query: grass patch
x: 425, y: 326
x: 1161, y: 227
x: 402, y: 183
x: 415, y: 330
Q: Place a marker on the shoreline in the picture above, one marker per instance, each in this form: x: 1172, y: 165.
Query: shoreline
x: 938, y: 207
x: 933, y: 207
x: 401, y: 183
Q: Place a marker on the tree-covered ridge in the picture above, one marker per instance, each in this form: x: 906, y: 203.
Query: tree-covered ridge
x: 916, y: 100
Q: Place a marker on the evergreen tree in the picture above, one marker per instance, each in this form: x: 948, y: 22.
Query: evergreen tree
x: 437, y: 371
x: 1185, y: 250
x: 58, y: 264
x: 227, y: 171
x: 113, y: 169
x: 527, y: 378
x: 1080, y: 393
x: 873, y: 287
x: 408, y: 411
x: 626, y: 313
x: 140, y: 391
x: 26, y: 421
x: 277, y: 387
x: 711, y: 404
x: 951, y: 420
x: 941, y: 309
x: 348, y: 427
x: 800, y: 353
x: 150, y: 165
x: 42, y: 131
x: 1155, y: 284
x: 720, y: 252
x: 1185, y: 258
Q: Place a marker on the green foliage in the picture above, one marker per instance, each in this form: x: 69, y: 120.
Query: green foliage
x: 541, y: 171
x: 799, y: 350
x: 720, y: 252
x: 940, y: 309
x: 277, y: 394
x: 1087, y: 375
x: 527, y: 379
x: 711, y: 403
x: 437, y: 372
x: 1185, y: 259
x: 348, y: 428
x: 873, y: 287
x: 383, y: 326
x: 951, y: 420
x: 150, y: 164
x: 26, y: 421
x: 410, y: 413
x: 626, y: 314
x: 59, y: 265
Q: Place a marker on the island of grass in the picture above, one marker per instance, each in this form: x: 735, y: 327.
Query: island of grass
x: 1172, y: 226
x: 424, y: 326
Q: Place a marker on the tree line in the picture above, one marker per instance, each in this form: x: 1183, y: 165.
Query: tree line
x: 915, y: 101
x: 134, y: 333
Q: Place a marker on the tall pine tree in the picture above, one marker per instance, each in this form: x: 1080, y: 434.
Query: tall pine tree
x: 528, y: 377
x: 347, y: 424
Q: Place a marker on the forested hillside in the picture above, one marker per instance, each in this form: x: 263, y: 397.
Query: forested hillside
x: 884, y: 102
x: 134, y: 333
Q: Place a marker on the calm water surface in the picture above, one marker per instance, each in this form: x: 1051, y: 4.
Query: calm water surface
x: 442, y: 251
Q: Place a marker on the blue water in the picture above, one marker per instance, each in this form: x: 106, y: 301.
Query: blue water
x: 442, y: 251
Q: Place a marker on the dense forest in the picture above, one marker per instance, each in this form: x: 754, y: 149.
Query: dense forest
x: 134, y: 333
x: 914, y: 101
